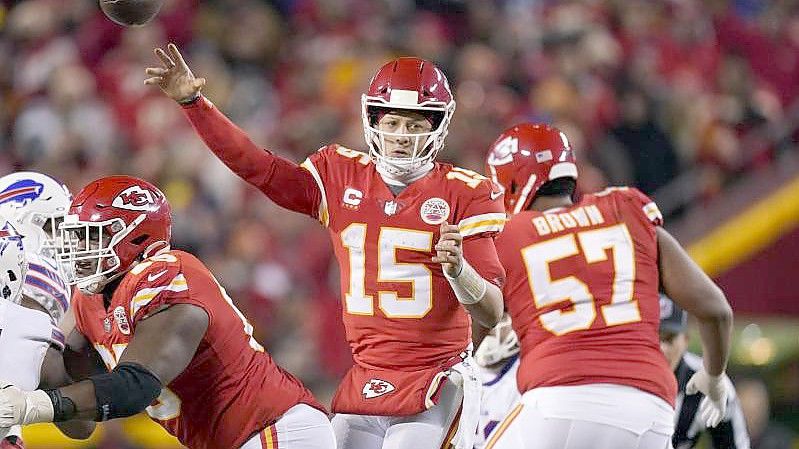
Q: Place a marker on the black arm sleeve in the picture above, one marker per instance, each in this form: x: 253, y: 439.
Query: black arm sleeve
x: 125, y: 391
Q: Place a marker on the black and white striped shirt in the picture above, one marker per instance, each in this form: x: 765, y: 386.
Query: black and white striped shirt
x: 729, y: 434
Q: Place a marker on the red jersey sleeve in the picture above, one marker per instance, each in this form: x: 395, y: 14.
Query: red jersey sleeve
x: 484, y: 211
x: 642, y: 205
x: 156, y: 283
x: 482, y: 219
x: 482, y: 256
x: 283, y: 181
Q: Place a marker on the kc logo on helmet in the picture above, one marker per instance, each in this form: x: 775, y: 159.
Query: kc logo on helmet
x: 134, y: 198
x: 377, y: 387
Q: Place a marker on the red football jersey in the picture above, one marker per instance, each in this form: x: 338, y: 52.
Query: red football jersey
x: 582, y: 291
x: 400, y: 313
x: 231, y: 390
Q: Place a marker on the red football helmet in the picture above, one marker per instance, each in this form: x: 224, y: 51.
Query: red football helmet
x: 526, y: 156
x: 113, y: 223
x: 410, y: 84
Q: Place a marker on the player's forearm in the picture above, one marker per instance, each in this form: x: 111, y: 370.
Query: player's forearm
x: 488, y: 311
x: 285, y: 182
x: 83, y: 396
x: 715, y: 333
x: 482, y: 299
x: 229, y: 142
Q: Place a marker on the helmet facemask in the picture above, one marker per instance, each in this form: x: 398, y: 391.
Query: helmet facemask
x: 424, y: 145
x: 45, y: 233
x: 88, y: 254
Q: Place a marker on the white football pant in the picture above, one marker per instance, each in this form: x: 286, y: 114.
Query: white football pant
x: 301, y: 427
x: 598, y: 416
x: 426, y: 430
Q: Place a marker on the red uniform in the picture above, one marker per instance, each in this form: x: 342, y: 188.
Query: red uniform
x: 231, y: 389
x: 400, y: 313
x: 582, y: 291
x: 403, y: 321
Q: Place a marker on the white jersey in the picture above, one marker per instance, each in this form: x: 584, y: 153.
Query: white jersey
x: 500, y: 394
x: 25, y: 336
x: 45, y: 285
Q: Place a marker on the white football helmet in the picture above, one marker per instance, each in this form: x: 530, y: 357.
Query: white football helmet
x: 500, y: 344
x: 13, y: 266
x: 36, y: 204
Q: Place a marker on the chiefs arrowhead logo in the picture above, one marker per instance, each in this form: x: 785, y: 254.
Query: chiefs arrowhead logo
x: 135, y: 198
x: 377, y: 387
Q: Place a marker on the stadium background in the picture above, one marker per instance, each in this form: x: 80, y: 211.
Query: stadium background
x: 694, y: 102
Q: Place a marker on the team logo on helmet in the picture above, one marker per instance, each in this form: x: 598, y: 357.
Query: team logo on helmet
x: 21, y: 193
x: 434, y: 211
x: 377, y: 387
x: 122, y: 320
x: 134, y: 198
x: 503, y: 151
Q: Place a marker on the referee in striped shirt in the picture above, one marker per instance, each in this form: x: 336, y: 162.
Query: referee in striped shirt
x: 731, y: 432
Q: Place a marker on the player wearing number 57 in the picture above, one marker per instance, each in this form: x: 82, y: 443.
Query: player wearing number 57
x: 414, y: 239
x: 582, y: 291
x: 172, y: 340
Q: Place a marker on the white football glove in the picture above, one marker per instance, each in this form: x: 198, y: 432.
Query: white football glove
x: 19, y: 407
x: 713, y: 407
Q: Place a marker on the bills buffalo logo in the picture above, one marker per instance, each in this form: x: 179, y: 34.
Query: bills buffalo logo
x: 21, y: 193
x: 434, y: 211
x: 134, y: 198
x: 377, y: 387
x: 122, y: 320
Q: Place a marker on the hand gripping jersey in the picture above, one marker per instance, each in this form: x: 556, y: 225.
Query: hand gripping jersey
x: 582, y: 291
x: 403, y: 322
x: 231, y: 389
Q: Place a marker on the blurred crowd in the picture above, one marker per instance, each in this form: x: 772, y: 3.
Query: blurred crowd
x: 645, y: 90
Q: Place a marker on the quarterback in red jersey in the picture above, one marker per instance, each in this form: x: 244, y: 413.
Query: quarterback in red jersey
x: 582, y: 290
x: 414, y: 239
x: 173, y: 341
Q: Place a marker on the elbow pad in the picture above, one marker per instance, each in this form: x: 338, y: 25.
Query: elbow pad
x: 125, y: 391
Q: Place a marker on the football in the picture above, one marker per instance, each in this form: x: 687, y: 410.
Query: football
x: 130, y: 12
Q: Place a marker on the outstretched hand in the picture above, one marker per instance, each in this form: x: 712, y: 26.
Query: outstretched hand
x: 174, y: 76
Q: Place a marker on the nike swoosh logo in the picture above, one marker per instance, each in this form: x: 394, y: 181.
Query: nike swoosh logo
x: 494, y: 195
x: 155, y: 276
